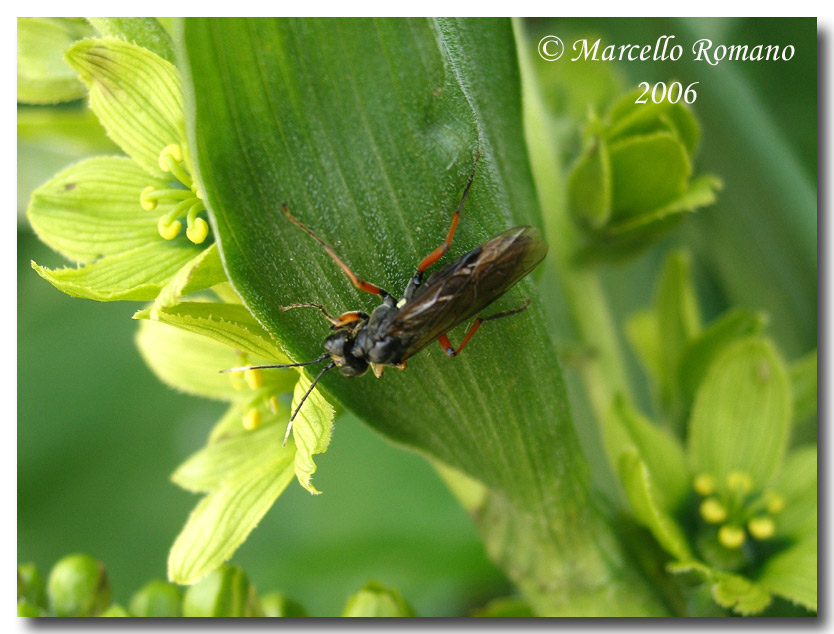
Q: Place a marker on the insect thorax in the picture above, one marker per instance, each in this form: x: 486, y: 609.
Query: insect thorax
x: 372, y: 341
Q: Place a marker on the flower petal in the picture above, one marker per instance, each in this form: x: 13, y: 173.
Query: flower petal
x: 136, y: 95
x: 229, y: 324
x: 203, y: 271
x: 230, y: 459
x: 797, y: 484
x: 190, y: 362
x: 699, y: 354
x: 661, y: 453
x: 647, y: 172
x: 640, y: 489
x: 792, y: 573
x: 740, y: 594
x: 223, y: 519
x: 92, y: 209
x: 742, y: 413
x: 138, y: 274
x: 312, y: 429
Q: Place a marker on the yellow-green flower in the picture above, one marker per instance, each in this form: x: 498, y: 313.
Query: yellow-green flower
x: 734, y: 502
x: 120, y: 218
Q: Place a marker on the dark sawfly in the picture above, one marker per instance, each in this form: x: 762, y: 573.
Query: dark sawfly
x: 398, y: 329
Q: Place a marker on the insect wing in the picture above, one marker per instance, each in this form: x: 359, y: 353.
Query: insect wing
x: 464, y: 287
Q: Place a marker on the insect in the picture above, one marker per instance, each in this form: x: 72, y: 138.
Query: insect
x: 429, y: 308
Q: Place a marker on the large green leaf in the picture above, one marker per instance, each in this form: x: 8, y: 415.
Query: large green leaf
x: 368, y: 130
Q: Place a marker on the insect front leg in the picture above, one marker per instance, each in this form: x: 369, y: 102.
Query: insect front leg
x: 342, y: 320
x: 447, y: 345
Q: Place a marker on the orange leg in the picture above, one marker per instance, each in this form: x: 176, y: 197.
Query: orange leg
x: 447, y: 345
x: 357, y: 282
x: 440, y: 251
x: 342, y: 320
x: 348, y: 318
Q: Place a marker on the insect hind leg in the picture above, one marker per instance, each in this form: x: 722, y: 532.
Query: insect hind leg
x: 356, y: 281
x: 447, y: 345
x: 440, y: 251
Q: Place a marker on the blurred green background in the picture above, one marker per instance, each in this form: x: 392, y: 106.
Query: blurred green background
x: 98, y: 435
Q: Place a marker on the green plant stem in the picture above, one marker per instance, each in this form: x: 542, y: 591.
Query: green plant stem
x: 601, y: 366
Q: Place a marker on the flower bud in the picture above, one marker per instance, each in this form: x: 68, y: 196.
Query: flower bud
x: 224, y: 592
x: 157, y: 598
x: 31, y: 585
x: 276, y: 604
x: 78, y: 586
x: 633, y: 181
x: 374, y: 599
x: 115, y: 610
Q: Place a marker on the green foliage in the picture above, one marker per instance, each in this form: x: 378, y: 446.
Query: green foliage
x: 737, y: 457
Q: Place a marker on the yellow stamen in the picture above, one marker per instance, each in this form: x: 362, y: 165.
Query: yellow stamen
x: 731, y: 536
x: 704, y: 484
x: 713, y: 511
x: 254, y: 378
x: 168, y: 230
x: 761, y: 527
x: 252, y: 419
x: 148, y: 204
x: 173, y: 151
x: 198, y: 231
x: 273, y: 404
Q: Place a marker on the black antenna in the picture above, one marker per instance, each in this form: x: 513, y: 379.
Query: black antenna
x: 329, y: 366
x: 281, y: 365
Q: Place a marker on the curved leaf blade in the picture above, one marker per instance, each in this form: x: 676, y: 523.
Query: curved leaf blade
x: 372, y: 150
